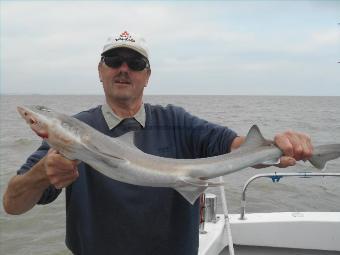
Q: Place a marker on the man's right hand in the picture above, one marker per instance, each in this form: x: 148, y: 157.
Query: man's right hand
x: 60, y: 171
x: 25, y: 190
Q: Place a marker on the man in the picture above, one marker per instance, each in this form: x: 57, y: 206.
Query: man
x: 105, y: 216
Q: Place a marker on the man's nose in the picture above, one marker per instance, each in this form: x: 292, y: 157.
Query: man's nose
x: 124, y: 67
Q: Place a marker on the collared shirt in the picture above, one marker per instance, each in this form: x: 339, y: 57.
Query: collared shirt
x: 113, y: 119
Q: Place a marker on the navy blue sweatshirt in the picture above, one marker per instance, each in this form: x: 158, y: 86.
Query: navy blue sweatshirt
x: 104, y: 216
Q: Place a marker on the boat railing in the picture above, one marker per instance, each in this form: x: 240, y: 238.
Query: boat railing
x: 276, y: 177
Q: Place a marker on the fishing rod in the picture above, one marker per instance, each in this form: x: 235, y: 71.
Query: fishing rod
x: 276, y: 177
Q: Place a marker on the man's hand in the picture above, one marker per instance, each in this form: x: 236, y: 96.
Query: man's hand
x: 25, y: 190
x: 295, y: 146
x: 60, y: 171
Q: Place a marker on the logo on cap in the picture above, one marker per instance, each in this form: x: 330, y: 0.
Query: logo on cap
x: 125, y: 36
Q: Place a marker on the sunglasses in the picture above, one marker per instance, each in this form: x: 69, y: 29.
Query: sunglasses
x: 134, y: 63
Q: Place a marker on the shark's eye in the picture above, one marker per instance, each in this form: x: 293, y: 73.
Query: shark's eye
x: 43, y: 108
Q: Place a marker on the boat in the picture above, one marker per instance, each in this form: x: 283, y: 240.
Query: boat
x: 281, y: 233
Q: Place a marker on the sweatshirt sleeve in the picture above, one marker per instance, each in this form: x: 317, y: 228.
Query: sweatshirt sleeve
x: 51, y: 193
x: 203, y: 138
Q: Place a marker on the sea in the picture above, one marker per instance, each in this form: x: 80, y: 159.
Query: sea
x: 42, y: 229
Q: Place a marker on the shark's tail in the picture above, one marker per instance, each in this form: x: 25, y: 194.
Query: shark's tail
x: 323, y: 153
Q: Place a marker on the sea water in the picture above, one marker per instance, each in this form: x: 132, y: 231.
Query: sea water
x: 42, y: 229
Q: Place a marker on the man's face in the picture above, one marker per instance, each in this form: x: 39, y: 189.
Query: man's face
x: 123, y: 83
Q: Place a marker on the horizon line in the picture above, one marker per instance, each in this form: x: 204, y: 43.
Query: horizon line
x: 247, y: 95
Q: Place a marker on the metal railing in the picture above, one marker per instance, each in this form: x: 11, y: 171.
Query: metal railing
x: 276, y: 178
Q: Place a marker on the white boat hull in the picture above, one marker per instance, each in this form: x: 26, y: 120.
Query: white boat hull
x: 300, y: 230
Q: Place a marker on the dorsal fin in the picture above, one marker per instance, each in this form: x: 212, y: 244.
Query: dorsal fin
x: 254, y: 138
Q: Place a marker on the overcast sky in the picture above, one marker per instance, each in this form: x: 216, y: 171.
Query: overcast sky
x: 205, y: 47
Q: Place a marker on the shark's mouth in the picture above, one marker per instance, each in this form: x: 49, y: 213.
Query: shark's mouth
x: 39, y: 131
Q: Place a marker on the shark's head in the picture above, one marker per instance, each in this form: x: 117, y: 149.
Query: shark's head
x: 37, y: 117
x: 58, y: 129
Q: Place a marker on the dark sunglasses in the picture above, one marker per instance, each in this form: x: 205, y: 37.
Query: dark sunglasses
x: 134, y: 63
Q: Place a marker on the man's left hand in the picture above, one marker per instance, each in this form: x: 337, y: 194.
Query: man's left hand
x: 295, y: 146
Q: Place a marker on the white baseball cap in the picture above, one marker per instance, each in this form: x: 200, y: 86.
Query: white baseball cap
x: 127, y: 40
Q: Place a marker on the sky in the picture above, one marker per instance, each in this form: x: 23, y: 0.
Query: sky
x: 196, y: 47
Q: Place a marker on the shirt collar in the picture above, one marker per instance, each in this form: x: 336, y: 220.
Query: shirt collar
x: 112, y: 119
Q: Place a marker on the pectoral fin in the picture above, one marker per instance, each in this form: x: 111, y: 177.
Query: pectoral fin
x: 200, y: 183
x: 104, y: 146
x: 97, y: 150
x: 192, y: 188
x: 191, y: 193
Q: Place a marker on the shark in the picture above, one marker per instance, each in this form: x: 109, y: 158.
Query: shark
x: 119, y: 159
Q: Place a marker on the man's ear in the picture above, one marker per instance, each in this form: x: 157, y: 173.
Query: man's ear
x: 99, y: 71
x: 148, y: 72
